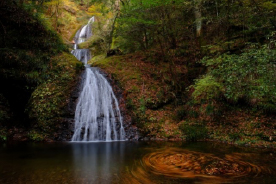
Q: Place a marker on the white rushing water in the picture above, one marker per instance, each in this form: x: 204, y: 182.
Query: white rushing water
x: 82, y: 55
x: 97, y: 115
x: 84, y: 33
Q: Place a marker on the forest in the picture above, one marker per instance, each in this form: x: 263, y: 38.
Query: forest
x: 187, y: 69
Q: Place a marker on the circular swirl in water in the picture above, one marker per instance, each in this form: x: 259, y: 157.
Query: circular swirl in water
x: 183, y: 164
x: 180, y: 164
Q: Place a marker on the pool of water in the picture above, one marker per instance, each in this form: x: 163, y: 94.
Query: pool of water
x: 135, y: 162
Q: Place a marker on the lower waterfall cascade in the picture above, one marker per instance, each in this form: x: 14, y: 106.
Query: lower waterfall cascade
x: 97, y: 115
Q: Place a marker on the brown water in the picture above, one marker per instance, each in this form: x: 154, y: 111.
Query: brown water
x: 135, y: 162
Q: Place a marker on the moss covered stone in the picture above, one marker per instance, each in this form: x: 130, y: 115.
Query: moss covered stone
x: 48, y: 103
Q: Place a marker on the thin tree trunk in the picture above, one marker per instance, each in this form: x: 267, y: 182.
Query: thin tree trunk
x: 112, y: 31
x: 198, y: 17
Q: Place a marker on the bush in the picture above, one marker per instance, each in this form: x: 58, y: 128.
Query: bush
x: 206, y: 88
x: 35, y: 136
x: 250, y: 77
x: 193, y: 132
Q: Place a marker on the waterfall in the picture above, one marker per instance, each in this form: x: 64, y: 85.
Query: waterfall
x: 82, y: 55
x: 97, y: 115
x: 84, y: 33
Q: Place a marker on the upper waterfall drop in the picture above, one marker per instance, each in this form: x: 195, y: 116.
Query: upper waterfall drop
x: 97, y: 115
x: 84, y: 33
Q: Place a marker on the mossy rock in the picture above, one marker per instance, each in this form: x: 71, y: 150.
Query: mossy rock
x: 50, y: 99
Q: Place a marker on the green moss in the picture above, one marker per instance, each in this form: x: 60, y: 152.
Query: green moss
x: 97, y: 58
x: 108, y: 61
x: 49, y: 100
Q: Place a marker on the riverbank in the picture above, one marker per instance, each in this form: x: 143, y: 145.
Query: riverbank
x: 160, y: 114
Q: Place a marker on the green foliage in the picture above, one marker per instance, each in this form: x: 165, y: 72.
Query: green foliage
x: 250, y: 76
x: 145, y: 24
x: 193, y: 131
x: 142, y: 108
x: 206, y: 88
x: 238, y: 22
x: 36, y: 136
x: 96, y: 44
x: 48, y: 102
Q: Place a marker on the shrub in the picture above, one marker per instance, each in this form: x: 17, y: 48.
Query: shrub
x: 35, y: 136
x: 250, y: 77
x: 206, y: 88
x: 193, y: 132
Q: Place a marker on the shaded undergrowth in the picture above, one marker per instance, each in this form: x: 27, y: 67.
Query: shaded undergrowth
x: 162, y: 113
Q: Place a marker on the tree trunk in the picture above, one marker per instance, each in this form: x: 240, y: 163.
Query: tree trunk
x: 198, y: 17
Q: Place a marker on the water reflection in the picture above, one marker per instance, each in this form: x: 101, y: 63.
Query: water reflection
x: 98, y: 162
x: 135, y: 162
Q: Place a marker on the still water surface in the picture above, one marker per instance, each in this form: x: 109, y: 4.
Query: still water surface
x: 135, y: 162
